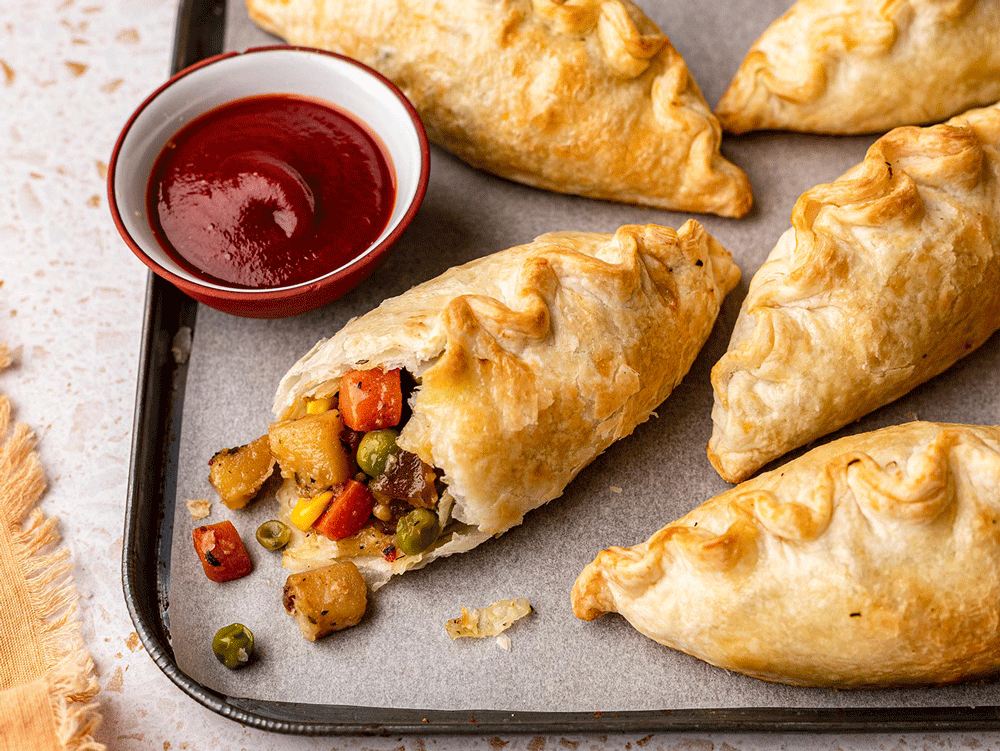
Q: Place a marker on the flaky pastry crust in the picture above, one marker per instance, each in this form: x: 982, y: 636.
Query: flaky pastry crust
x: 577, y: 96
x: 864, y: 66
x: 887, y: 277
x: 867, y: 562
x: 530, y: 362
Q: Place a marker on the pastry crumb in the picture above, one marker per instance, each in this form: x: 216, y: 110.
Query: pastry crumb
x: 615, y: 489
x: 503, y: 641
x: 199, y: 507
x: 180, y: 347
x: 492, y: 620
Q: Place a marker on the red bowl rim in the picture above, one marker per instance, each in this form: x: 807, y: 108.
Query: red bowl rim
x: 372, y: 256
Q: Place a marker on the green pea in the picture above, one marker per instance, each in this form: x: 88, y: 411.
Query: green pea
x: 273, y: 535
x: 417, y: 531
x: 233, y: 645
x: 374, y: 450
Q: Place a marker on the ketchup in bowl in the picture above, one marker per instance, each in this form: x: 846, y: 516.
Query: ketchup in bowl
x: 269, y: 191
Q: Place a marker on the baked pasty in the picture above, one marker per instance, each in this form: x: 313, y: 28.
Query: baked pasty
x: 867, y: 562
x: 578, y: 96
x: 863, y: 66
x: 525, y: 364
x: 887, y: 277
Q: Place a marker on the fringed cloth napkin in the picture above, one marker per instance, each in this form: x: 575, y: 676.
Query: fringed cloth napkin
x: 46, y: 674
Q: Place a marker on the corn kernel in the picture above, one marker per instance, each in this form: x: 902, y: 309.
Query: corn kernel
x: 308, y: 510
x: 319, y: 406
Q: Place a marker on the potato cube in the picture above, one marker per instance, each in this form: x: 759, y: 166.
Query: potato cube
x: 238, y: 474
x: 326, y: 599
x: 309, y: 451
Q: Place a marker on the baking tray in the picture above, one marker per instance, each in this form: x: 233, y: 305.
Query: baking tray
x: 170, y: 319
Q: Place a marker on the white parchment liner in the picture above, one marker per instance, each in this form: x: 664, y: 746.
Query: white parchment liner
x: 400, y: 656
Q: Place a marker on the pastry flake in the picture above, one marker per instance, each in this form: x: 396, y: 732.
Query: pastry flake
x: 863, y: 66
x: 859, y: 564
x: 576, y: 96
x: 528, y: 363
x: 887, y: 277
x: 492, y: 620
x: 199, y: 508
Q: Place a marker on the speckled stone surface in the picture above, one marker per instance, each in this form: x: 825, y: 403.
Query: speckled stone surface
x: 70, y: 306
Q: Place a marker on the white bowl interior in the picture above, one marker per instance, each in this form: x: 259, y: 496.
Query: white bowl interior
x: 280, y: 71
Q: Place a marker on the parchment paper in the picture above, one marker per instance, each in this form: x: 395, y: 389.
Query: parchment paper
x: 400, y: 655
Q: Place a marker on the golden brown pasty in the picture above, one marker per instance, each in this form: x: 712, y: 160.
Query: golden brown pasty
x: 863, y: 66
x: 887, y: 277
x: 867, y: 562
x: 575, y: 96
x: 527, y: 364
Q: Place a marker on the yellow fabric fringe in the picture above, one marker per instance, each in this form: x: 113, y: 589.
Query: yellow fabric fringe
x: 47, y: 676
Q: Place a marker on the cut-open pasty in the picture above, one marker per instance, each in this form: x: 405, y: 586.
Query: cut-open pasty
x: 887, y: 277
x: 869, y: 561
x: 863, y: 66
x: 499, y: 381
x: 585, y: 97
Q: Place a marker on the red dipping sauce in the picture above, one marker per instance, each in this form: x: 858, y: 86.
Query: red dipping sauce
x: 269, y: 191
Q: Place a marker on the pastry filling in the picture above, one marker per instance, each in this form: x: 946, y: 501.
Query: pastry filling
x: 355, y: 485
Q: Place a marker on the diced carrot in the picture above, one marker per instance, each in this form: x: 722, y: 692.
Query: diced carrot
x: 348, y: 512
x: 371, y: 399
x: 222, y: 553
